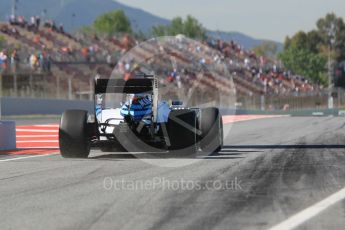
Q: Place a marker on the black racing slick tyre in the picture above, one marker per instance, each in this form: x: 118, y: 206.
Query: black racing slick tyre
x: 73, y: 134
x: 182, y: 131
x: 211, y: 127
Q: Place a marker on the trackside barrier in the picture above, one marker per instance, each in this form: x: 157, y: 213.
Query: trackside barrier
x: 29, y: 106
x: 301, y: 112
x: 7, y: 135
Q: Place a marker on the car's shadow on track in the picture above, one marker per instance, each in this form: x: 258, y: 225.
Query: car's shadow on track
x: 253, y: 147
x: 225, y: 153
x: 229, y: 153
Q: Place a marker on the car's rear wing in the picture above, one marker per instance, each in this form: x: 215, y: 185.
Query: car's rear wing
x: 131, y: 86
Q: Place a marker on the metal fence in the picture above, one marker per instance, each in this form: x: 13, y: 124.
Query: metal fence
x: 316, y: 100
x: 38, y: 84
x: 27, y: 83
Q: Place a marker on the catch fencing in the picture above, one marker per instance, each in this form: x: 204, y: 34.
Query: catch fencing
x: 55, y: 85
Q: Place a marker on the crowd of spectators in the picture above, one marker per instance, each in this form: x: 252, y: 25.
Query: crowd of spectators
x: 259, y: 74
x: 34, y: 23
x: 11, y: 61
x: 12, y: 31
x: 265, y: 73
x: 40, y: 45
x: 41, y: 60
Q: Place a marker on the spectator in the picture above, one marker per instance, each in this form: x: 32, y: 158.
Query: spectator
x: 12, y: 20
x: 3, y: 60
x: 14, y: 60
x: 37, y: 22
x: 92, y: 53
x: 127, y: 76
x: 172, y: 76
x: 33, y: 60
x: 32, y: 21
x: 95, y: 37
x: 41, y: 60
x: 85, y: 54
x: 14, y: 32
x: 127, y: 66
x: 109, y: 60
x: 61, y: 29
x: 21, y: 21
x: 53, y: 26
x: 48, y: 63
x: 37, y: 40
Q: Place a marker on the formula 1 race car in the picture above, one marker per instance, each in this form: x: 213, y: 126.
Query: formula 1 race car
x: 140, y: 123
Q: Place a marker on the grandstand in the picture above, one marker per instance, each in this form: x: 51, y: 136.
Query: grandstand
x: 74, y: 60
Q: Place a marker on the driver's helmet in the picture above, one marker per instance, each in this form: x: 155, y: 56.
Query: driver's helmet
x: 138, y: 106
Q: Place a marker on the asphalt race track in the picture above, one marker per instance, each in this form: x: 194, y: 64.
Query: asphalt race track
x: 268, y: 171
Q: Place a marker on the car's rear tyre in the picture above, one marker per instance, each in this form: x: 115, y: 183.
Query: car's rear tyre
x: 211, y: 127
x: 182, y: 129
x: 73, y: 134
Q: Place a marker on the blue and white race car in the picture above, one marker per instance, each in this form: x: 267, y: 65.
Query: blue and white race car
x: 140, y: 123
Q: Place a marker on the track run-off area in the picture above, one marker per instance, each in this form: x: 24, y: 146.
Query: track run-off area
x: 274, y: 172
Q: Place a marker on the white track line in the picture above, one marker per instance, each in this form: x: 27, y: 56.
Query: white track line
x: 28, y: 136
x: 39, y: 141
x: 37, y: 130
x: 303, y: 216
x: 53, y: 126
x: 39, y: 148
x: 27, y: 157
